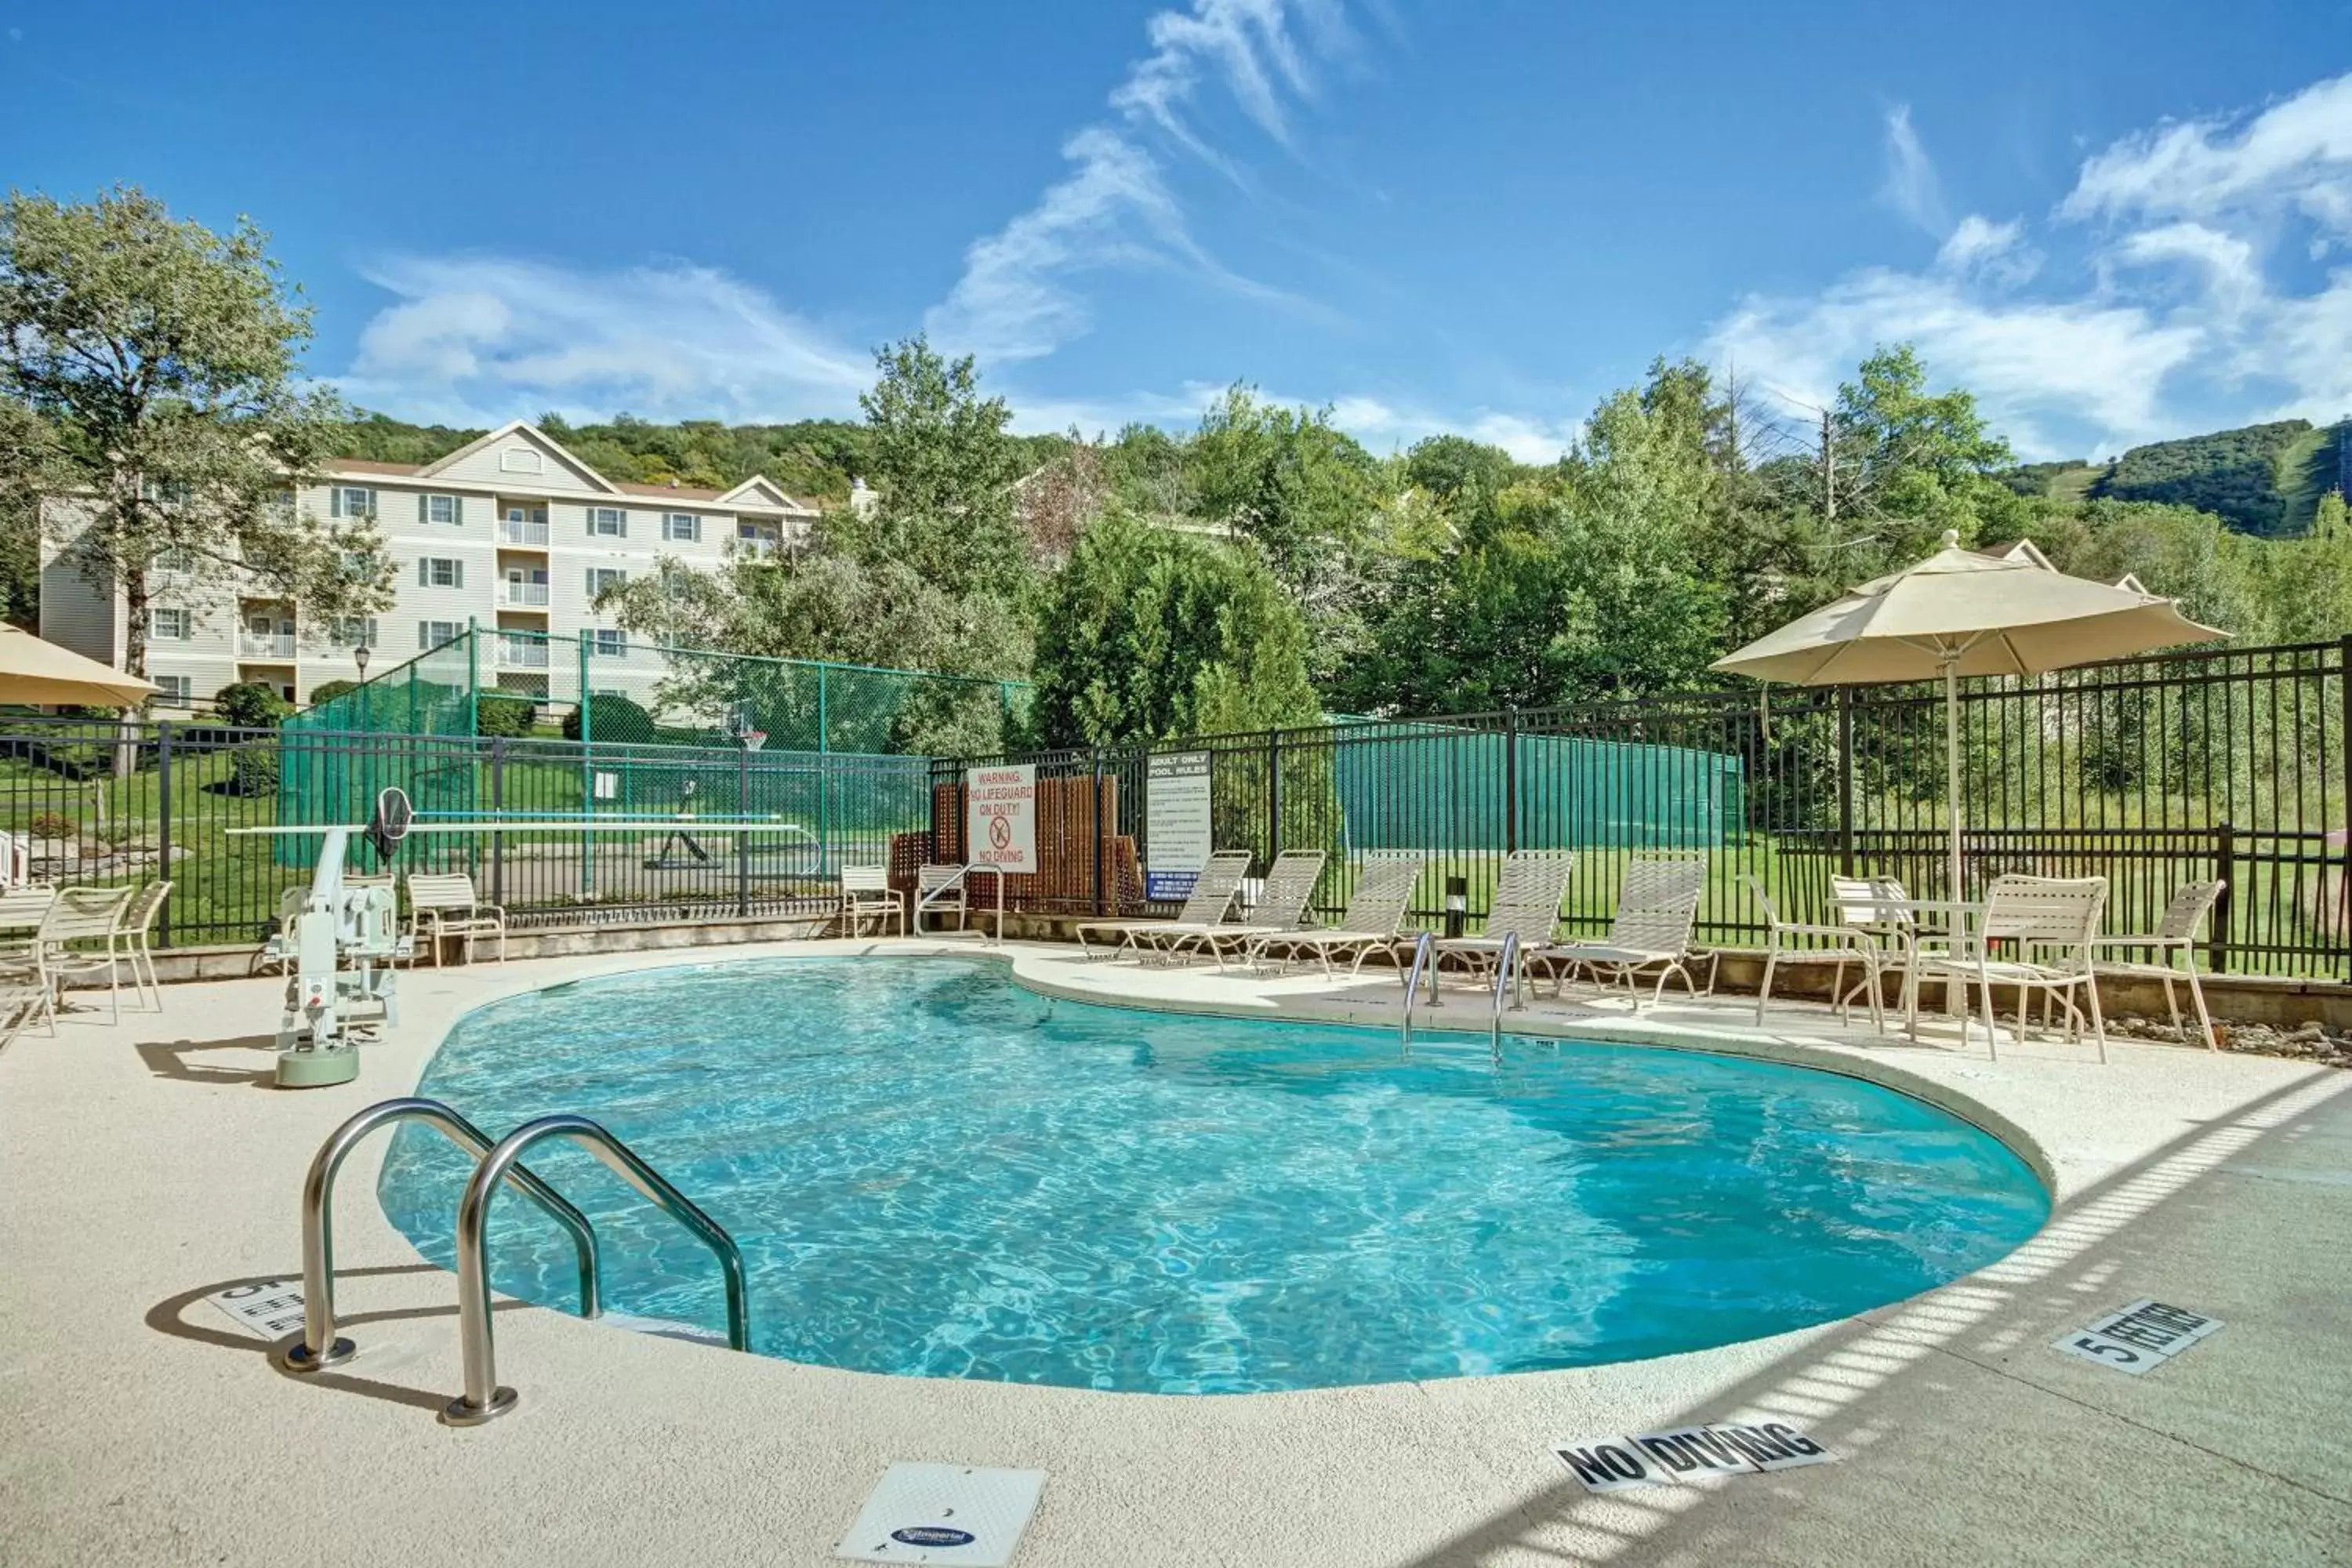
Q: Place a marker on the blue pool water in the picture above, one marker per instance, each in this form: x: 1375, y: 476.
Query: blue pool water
x: 936, y: 1173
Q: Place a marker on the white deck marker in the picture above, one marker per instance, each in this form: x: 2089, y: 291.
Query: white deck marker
x: 269, y: 1308
x: 2140, y: 1337
x: 944, y: 1513
x: 1690, y: 1454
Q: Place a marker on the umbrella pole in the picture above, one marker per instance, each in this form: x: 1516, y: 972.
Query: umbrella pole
x: 1952, y: 772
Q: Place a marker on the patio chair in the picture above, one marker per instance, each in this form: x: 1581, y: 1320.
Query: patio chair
x: 940, y: 890
x: 444, y: 904
x: 1375, y: 913
x: 1658, y: 909
x: 138, y: 932
x: 1845, y: 941
x: 1212, y: 896
x: 24, y: 990
x: 866, y: 894
x: 22, y: 911
x: 2052, y: 921
x: 2175, y: 936
x: 88, y: 915
x: 1281, y: 909
x: 1527, y: 895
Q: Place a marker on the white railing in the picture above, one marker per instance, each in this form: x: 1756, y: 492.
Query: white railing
x: 513, y: 593
x: 513, y: 654
x: 514, y: 532
x: 249, y: 645
x: 758, y: 546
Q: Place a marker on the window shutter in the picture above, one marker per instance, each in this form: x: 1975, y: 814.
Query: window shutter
x: 335, y: 500
x: 423, y: 571
x: 457, y: 573
x: 625, y: 521
x: 424, y: 635
x: 590, y: 513
x: 458, y: 510
x: 424, y: 508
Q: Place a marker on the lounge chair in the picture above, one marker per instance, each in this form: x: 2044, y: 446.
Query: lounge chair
x: 1281, y: 909
x: 1527, y: 896
x: 941, y: 889
x: 1651, y: 933
x: 866, y: 895
x: 1375, y: 912
x: 1212, y: 895
x: 138, y: 932
x: 2176, y: 937
x: 1846, y: 942
x: 85, y: 914
x: 2054, y: 921
x: 444, y: 904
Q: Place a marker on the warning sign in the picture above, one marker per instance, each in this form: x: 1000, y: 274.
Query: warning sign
x: 1000, y: 824
x: 1690, y: 1454
x: 269, y: 1308
x: 2140, y: 1337
x: 1175, y: 822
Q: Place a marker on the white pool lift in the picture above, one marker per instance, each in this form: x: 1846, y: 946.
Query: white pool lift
x: 340, y: 924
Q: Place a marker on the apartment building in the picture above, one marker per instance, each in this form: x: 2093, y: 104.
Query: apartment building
x: 511, y: 531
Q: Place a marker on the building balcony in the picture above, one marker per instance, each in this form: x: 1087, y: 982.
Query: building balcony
x: 528, y: 534
x: 758, y: 546
x: 252, y: 645
x: 523, y: 595
x: 516, y: 653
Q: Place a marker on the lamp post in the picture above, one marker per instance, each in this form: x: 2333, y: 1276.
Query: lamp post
x: 360, y: 657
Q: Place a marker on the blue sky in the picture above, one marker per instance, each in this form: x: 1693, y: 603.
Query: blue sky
x: 2116, y: 222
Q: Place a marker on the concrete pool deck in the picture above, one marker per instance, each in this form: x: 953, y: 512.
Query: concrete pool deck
x: 146, y: 1165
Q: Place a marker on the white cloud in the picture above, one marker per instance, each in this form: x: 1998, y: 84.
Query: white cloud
x: 1016, y: 298
x: 481, y: 339
x: 2168, y: 315
x: 1911, y: 188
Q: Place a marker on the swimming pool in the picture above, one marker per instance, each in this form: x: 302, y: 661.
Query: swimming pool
x: 935, y: 1172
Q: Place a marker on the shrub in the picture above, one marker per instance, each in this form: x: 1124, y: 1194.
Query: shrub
x: 251, y: 705
x: 253, y: 769
x: 327, y: 690
x: 507, y: 716
x: 50, y: 824
x: 611, y: 717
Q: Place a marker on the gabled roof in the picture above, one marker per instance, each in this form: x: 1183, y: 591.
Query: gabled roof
x: 532, y: 435
x: 761, y: 490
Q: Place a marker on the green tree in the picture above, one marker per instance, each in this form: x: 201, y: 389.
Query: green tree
x: 1150, y: 635
x: 161, y: 363
x: 1906, y: 464
x: 251, y: 704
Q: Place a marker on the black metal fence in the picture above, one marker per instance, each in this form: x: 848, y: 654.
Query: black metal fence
x: 91, y: 801
x: 2150, y: 772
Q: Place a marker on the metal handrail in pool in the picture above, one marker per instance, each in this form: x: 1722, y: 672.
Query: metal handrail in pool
x: 484, y: 1400
x: 1425, y: 948
x: 1506, y: 969
x: 319, y: 1345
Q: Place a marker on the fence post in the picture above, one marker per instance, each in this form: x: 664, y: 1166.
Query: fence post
x: 473, y: 677
x: 824, y: 721
x: 1510, y: 779
x: 2225, y: 856
x: 1845, y: 781
x: 587, y: 764
x: 742, y: 839
x: 1097, y: 812
x: 1273, y: 796
x: 498, y: 809
x: 2343, y: 888
x: 163, y: 824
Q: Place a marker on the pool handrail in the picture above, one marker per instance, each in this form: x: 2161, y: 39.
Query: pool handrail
x: 1506, y: 966
x: 484, y: 1400
x: 320, y: 1346
x: 1424, y: 949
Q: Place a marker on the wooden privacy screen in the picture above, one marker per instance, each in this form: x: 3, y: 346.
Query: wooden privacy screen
x: 1070, y: 881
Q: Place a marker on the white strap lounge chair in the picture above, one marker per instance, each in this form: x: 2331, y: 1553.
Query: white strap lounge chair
x: 138, y: 931
x: 1375, y: 913
x: 1846, y: 942
x: 943, y: 889
x: 866, y: 895
x: 2175, y: 937
x: 1650, y: 935
x: 1212, y: 896
x: 444, y: 904
x: 2052, y: 922
x: 1281, y: 909
x: 91, y: 915
x: 24, y: 990
x: 1527, y: 896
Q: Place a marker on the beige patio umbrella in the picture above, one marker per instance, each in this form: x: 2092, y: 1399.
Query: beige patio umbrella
x: 32, y: 671
x: 1959, y: 612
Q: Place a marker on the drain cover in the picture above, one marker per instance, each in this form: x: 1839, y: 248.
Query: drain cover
x: 945, y: 1514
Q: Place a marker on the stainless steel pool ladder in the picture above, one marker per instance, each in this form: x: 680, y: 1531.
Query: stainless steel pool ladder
x: 484, y: 1400
x: 1507, y: 975
x: 320, y: 1346
x: 1424, y: 949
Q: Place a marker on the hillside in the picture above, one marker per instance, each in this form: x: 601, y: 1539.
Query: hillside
x: 815, y: 458
x: 2264, y: 479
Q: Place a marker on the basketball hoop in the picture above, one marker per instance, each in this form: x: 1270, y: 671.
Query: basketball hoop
x: 754, y: 739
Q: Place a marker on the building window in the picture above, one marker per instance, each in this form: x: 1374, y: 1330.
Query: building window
x: 682, y: 526
x: 355, y: 633
x: 168, y: 625
x: 609, y: 644
x: 608, y: 522
x: 173, y: 691
x: 181, y: 560
x: 431, y: 635
x: 520, y: 460
x: 170, y: 493
x: 603, y: 577
x: 352, y: 501
x: 450, y: 510
x: 440, y: 572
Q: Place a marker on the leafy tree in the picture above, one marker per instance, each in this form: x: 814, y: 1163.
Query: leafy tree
x: 327, y: 690
x: 159, y: 364
x: 1446, y: 465
x: 251, y: 705
x: 1285, y: 479
x: 1150, y: 634
x: 1909, y: 463
x: 507, y: 716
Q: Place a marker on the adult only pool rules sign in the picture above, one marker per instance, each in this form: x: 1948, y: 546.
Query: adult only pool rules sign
x: 1690, y: 1454
x: 1175, y: 822
x: 1000, y: 819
